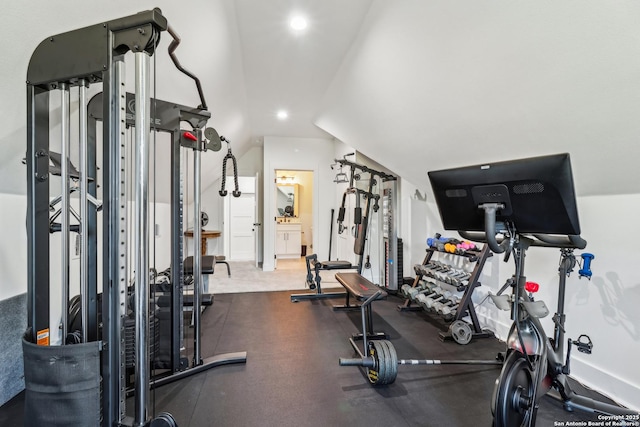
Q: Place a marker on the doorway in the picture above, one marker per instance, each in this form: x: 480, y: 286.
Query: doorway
x: 293, y: 215
x: 239, y: 221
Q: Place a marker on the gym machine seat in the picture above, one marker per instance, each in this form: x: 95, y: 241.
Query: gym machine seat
x: 208, y: 264
x: 334, y: 265
x: 187, y: 300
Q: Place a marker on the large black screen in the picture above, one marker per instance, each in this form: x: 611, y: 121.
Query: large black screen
x: 537, y: 192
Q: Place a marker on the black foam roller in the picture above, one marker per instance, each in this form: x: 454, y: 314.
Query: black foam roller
x: 357, y: 215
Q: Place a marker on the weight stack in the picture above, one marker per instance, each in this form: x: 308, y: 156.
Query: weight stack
x: 130, y: 338
x: 398, y: 261
x: 399, y: 264
x: 62, y: 384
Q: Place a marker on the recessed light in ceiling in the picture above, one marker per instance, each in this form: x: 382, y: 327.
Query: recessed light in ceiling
x: 298, y: 23
x: 282, y: 114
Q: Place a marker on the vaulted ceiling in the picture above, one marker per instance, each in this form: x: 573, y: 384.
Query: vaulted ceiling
x: 415, y: 85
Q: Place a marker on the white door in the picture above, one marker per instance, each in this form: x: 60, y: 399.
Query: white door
x: 257, y: 226
x: 241, y: 228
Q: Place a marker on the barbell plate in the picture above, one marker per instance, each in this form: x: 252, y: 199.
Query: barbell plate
x: 385, y: 368
x: 461, y: 332
x: 392, y: 365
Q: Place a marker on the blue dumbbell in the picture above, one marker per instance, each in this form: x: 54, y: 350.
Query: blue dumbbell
x: 585, y: 271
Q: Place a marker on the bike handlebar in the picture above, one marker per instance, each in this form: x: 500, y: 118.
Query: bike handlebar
x: 542, y: 240
x: 537, y: 239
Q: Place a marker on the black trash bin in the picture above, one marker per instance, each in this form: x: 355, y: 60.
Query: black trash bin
x: 62, y: 384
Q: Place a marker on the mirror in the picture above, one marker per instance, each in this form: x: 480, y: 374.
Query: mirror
x: 287, y: 200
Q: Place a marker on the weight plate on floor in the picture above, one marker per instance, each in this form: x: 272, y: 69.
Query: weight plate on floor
x: 392, y: 365
x: 461, y: 332
x: 164, y: 419
x: 385, y: 368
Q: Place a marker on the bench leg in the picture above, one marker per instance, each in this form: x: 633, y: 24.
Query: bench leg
x: 347, y: 306
x: 367, y: 327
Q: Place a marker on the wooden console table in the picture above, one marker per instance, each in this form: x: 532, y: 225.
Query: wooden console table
x: 206, y: 234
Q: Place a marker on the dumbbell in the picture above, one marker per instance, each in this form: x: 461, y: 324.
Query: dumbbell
x: 442, y: 304
x: 408, y: 290
x: 457, y: 278
x: 427, y: 289
x: 449, y: 311
x: 427, y: 301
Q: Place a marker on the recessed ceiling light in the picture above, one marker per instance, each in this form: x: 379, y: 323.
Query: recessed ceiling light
x: 298, y: 23
x: 282, y: 114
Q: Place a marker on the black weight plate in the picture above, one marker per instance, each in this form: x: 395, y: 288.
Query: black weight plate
x: 392, y: 365
x: 164, y: 419
x: 373, y: 374
x: 386, y: 366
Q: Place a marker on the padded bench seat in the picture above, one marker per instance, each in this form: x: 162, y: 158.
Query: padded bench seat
x: 358, y: 286
x: 207, y: 264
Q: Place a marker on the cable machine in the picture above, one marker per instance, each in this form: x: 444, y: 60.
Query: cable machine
x: 168, y: 117
x: 362, y: 217
x: 82, y: 58
x: 392, y: 271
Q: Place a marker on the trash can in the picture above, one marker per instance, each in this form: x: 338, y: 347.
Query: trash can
x: 303, y: 251
x: 62, y: 384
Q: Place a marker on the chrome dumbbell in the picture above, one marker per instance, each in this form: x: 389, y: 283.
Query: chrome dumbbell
x: 426, y: 288
x: 443, y: 305
x: 427, y: 302
x: 408, y: 291
x: 449, y: 311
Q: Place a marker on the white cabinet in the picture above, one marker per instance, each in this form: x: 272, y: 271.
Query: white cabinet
x: 288, y: 240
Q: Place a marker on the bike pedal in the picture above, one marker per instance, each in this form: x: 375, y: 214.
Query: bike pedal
x: 584, y: 344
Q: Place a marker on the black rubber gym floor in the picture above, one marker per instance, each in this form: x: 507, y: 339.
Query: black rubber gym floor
x: 292, y: 377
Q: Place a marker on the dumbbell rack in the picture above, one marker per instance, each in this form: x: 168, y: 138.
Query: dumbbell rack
x: 466, y: 307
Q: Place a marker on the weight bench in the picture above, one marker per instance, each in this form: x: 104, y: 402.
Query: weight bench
x: 365, y: 292
x: 207, y: 267
x: 314, y: 283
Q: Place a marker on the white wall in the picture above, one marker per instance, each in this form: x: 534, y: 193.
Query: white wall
x: 13, y: 249
x: 313, y: 154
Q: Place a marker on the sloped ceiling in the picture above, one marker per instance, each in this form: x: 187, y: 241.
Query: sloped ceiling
x: 436, y: 84
x: 209, y: 49
x: 415, y: 85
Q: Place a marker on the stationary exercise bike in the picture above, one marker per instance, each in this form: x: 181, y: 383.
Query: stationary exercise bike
x: 529, y: 374
x: 530, y: 202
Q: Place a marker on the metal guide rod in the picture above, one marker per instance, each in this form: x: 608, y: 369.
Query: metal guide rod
x: 142, y: 129
x: 447, y: 362
x: 197, y: 254
x: 65, y: 141
x: 84, y: 210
